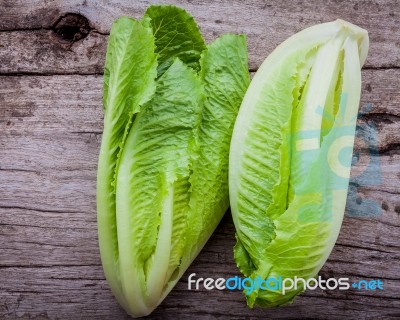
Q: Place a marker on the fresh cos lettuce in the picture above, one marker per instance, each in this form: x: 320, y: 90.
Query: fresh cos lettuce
x: 170, y: 103
x: 290, y: 155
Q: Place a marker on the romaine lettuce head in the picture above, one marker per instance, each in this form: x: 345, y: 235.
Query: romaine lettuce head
x: 290, y: 156
x: 170, y: 104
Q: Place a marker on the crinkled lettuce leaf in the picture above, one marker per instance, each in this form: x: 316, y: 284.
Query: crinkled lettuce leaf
x: 163, y: 167
x: 129, y: 81
x: 176, y: 35
x: 288, y: 176
x: 225, y: 76
x: 154, y: 165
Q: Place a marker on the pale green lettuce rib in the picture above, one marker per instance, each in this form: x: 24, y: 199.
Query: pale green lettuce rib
x: 155, y: 158
x: 287, y: 190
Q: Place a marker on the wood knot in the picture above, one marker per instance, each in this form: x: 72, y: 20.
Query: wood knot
x: 72, y: 27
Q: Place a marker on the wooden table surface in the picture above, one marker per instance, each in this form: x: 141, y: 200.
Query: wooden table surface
x: 51, y: 63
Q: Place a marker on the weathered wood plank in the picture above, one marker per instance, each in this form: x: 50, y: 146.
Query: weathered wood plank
x: 49, y: 262
x: 73, y: 103
x: 61, y: 291
x: 43, y: 52
x: 267, y: 23
x: 50, y: 134
x: 92, y: 290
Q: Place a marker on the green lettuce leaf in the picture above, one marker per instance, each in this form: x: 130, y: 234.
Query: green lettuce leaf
x: 155, y: 163
x: 287, y: 179
x: 129, y: 81
x: 224, y: 70
x: 172, y: 182
x: 163, y: 165
x: 176, y: 35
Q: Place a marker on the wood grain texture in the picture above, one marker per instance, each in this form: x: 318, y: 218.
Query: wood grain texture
x: 266, y: 23
x: 50, y: 131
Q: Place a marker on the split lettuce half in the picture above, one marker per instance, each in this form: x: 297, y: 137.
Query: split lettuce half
x: 291, y: 153
x: 170, y: 103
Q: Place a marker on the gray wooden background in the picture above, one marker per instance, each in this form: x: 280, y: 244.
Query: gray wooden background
x: 51, y: 64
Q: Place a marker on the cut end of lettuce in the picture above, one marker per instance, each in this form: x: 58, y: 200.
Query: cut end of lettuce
x: 287, y: 184
x: 360, y: 34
